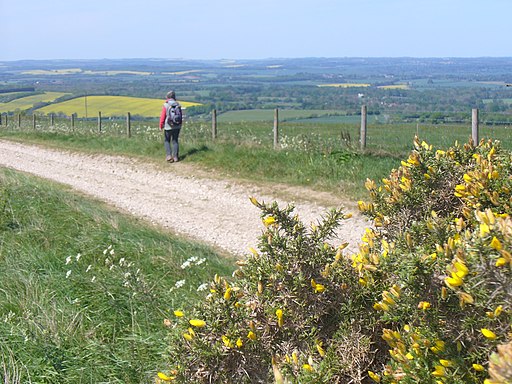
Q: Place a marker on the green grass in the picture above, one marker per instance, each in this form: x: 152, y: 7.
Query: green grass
x: 84, y: 290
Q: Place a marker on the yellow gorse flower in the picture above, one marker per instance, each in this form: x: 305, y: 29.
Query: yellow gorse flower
x: 495, y: 244
x: 197, y: 323
x: 178, y: 313
x: 478, y: 367
x: 251, y: 335
x: 439, y: 371
x: 279, y: 314
x: 269, y: 221
x: 488, y: 334
x: 374, y: 376
x: 164, y: 377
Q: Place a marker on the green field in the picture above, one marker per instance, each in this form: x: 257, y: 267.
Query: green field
x: 28, y: 102
x: 89, y: 106
x: 254, y: 115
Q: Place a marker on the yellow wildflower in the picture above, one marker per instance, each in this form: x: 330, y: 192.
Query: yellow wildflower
x: 164, y: 377
x: 374, y: 376
x: 496, y: 244
x: 488, y: 333
x: 227, y: 294
x: 269, y: 221
x: 178, y: 313
x: 188, y: 336
x: 453, y: 281
x: 501, y: 262
x: 478, y: 367
x: 227, y: 342
x: 254, y: 201
x: 307, y: 367
x: 439, y: 371
x: 239, y: 343
x: 279, y: 314
x: 320, y: 349
x: 424, y: 305
x: 251, y: 335
x: 446, y: 363
x: 197, y: 323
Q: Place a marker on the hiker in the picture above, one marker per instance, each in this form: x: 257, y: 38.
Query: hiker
x: 170, y: 121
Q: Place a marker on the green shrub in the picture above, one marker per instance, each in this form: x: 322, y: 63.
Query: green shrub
x: 426, y: 299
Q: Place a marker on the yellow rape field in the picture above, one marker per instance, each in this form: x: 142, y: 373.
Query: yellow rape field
x: 345, y: 85
x: 28, y: 102
x: 110, y: 106
x: 394, y: 86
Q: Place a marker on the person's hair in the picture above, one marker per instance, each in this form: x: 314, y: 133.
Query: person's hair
x: 171, y: 95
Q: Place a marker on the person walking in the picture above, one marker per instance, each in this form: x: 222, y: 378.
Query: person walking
x: 170, y: 122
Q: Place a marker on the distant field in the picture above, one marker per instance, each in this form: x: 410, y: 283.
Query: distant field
x: 345, y: 85
x: 394, y: 86
x: 73, y: 71
x: 268, y: 114
x: 28, y: 102
x: 110, y: 106
x: 505, y: 101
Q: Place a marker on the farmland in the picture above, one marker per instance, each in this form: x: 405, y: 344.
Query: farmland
x: 28, y: 102
x: 88, y: 106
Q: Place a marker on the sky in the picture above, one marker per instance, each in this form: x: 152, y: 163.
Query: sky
x: 258, y: 29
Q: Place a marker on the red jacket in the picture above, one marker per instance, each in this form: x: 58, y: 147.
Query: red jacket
x: 163, y: 115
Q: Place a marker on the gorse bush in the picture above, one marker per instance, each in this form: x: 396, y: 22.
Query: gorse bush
x: 443, y: 234
x: 426, y: 299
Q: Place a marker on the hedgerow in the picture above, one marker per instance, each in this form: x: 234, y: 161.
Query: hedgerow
x: 426, y: 299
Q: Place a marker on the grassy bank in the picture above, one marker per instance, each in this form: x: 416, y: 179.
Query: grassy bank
x: 85, y: 290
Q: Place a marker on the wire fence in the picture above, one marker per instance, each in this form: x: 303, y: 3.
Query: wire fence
x: 393, y: 137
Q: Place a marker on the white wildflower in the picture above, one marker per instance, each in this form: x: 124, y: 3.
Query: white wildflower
x: 88, y: 268
x: 179, y: 283
x: 68, y: 260
x: 93, y: 278
x: 202, y: 287
x: 78, y: 256
x: 68, y: 273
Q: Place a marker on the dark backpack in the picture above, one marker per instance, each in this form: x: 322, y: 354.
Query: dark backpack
x: 174, y: 115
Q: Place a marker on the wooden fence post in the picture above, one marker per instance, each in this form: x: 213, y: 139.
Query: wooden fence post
x: 72, y: 121
x: 1, y: 119
x: 128, y: 125
x: 34, y: 121
x: 51, y: 119
x: 214, y: 124
x: 364, y: 121
x: 474, y: 126
x: 6, y: 119
x: 99, y: 122
x: 19, y: 120
x: 276, y: 128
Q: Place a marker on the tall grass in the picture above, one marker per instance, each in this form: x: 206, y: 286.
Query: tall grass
x: 84, y: 290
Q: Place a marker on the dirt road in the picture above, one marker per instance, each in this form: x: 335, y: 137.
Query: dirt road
x: 177, y: 196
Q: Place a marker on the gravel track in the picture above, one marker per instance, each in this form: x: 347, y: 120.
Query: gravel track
x: 179, y: 197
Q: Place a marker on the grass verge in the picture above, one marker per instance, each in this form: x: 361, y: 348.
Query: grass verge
x: 85, y: 290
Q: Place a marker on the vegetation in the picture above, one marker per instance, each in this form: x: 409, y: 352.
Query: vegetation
x: 84, y: 289
x: 426, y: 299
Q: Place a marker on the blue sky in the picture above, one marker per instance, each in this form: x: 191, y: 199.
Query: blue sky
x: 243, y: 29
